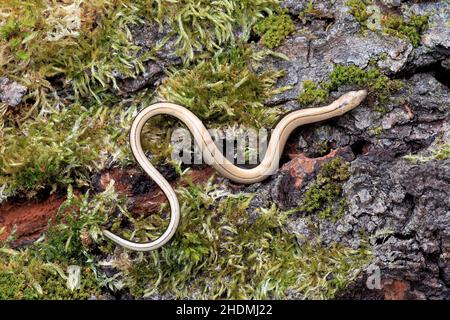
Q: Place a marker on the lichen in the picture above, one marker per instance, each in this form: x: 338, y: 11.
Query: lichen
x: 274, y: 29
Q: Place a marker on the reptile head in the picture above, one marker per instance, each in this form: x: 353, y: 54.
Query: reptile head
x: 353, y: 99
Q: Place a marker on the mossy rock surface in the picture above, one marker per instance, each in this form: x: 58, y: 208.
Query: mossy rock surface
x: 74, y: 74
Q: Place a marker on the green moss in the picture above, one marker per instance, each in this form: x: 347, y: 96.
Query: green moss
x: 44, y: 39
x: 274, y: 29
x: 325, y: 193
x: 411, y: 29
x: 79, y: 226
x: 24, y: 276
x: 94, y: 62
x: 64, y: 146
x: 392, y: 24
x: 220, y: 252
x: 88, y: 44
x: 202, y: 25
x: 220, y: 90
x: 16, y: 29
x: 38, y: 272
x: 358, y: 9
x: 82, y: 60
x: 383, y: 56
x: 311, y: 94
x: 371, y: 78
x: 308, y: 11
x: 29, y: 178
x: 225, y: 90
x: 74, y: 49
x: 439, y: 152
x: 323, y: 148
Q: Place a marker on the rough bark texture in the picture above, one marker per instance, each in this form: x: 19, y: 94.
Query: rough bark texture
x: 402, y: 207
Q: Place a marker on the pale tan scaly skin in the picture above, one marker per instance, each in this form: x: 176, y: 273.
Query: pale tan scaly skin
x: 214, y: 157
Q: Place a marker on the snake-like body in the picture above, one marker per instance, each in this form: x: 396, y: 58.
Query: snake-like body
x: 214, y: 156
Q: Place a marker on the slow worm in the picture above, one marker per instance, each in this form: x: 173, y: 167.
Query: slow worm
x: 212, y: 155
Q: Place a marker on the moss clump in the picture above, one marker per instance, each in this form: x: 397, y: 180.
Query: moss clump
x: 24, y: 276
x: 79, y: 223
x: 84, y: 43
x: 225, y: 89
x: 411, y: 29
x: 15, y: 30
x: 202, y: 25
x: 71, y: 53
x: 89, y: 44
x: 39, y: 271
x: 312, y: 94
x: 371, y: 78
x: 392, y: 24
x: 220, y: 252
x: 274, y: 29
x: 439, y: 152
x: 62, y: 147
x: 358, y: 9
x: 323, y: 196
